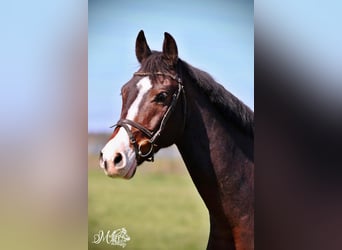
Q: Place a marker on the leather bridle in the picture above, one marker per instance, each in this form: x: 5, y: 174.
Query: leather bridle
x: 153, y: 135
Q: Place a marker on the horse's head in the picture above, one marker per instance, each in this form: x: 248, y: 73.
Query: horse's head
x: 153, y: 110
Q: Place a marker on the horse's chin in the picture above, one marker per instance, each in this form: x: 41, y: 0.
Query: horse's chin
x: 131, y: 172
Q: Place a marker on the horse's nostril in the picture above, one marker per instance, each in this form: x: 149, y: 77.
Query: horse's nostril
x: 105, y: 164
x: 117, y: 159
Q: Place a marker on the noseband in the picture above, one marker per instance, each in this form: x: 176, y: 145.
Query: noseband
x: 153, y: 135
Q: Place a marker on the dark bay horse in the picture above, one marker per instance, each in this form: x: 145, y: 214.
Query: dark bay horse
x: 167, y: 102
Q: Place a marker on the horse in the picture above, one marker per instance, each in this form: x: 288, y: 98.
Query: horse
x: 168, y: 101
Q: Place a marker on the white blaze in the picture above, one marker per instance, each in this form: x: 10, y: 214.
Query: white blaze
x: 120, y: 143
x: 144, y: 85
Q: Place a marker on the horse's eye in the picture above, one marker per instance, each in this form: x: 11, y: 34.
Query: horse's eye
x: 161, y: 97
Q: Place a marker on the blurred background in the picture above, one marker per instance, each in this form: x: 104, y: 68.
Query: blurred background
x: 159, y: 207
x: 43, y: 128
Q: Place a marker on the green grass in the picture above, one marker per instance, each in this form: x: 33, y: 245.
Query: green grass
x: 160, y: 209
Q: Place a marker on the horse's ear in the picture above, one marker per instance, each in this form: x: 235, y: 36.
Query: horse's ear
x: 170, y: 49
x: 142, y: 51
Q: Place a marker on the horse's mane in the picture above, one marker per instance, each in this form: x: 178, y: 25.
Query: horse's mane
x: 229, y: 106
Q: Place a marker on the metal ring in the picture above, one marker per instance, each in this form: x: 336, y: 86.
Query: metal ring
x: 145, y: 155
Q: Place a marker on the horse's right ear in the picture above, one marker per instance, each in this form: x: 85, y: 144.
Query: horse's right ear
x: 142, y: 51
x: 170, y: 50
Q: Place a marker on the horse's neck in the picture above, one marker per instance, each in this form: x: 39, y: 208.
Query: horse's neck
x: 210, y: 150
x: 209, y: 141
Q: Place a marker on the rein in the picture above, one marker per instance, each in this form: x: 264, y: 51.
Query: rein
x: 153, y: 135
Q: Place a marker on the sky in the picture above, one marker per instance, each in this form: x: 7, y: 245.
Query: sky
x: 215, y: 36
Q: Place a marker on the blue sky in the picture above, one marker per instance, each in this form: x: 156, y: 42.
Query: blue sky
x: 215, y: 36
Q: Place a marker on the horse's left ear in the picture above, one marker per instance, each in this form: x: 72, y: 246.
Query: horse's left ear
x: 170, y: 49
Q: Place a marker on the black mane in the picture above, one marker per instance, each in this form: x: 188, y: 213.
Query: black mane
x: 155, y: 62
x: 231, y: 107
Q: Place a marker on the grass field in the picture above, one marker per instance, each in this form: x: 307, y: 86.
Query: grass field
x: 160, y: 207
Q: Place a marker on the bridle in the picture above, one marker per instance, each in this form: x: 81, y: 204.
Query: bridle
x: 153, y: 135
